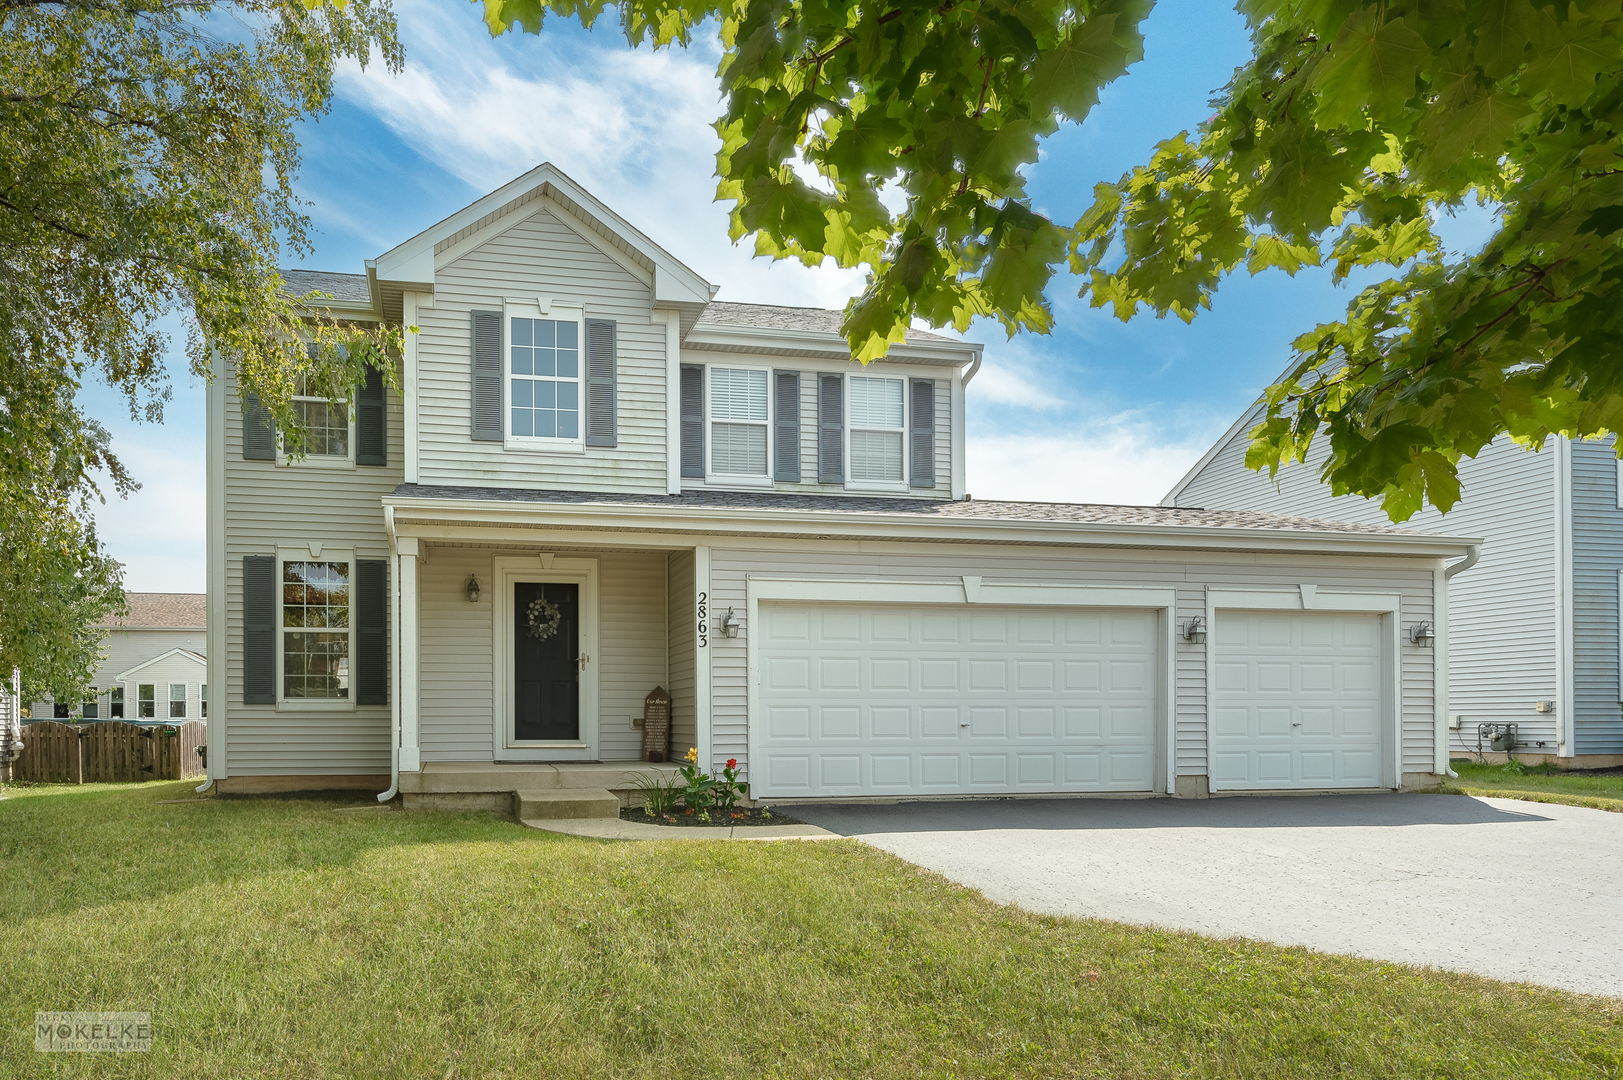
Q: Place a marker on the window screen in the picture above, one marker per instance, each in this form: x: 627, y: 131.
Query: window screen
x: 544, y: 379
x: 177, y: 701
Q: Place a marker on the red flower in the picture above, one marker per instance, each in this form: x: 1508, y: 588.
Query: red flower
x: 732, y: 763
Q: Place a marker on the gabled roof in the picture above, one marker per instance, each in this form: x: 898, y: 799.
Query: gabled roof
x: 412, y: 263
x: 351, y: 287
x: 184, y: 654
x: 1246, y: 421
x: 778, y: 317
x: 163, y: 611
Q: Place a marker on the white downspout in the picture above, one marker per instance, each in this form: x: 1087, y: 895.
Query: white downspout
x: 394, y: 667
x: 1444, y: 576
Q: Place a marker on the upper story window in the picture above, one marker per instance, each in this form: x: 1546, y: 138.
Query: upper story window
x: 325, y: 420
x: 877, y: 426
x: 544, y: 379
x: 315, y: 630
x: 738, y: 422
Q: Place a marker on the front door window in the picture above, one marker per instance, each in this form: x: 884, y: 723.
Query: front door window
x: 546, y: 662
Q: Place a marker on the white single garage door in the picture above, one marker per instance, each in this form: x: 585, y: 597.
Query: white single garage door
x: 891, y: 699
x: 1297, y: 700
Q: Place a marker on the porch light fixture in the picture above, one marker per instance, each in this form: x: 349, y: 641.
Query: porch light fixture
x: 729, y: 625
x: 1194, y: 631
x: 472, y: 589
x: 1423, y: 635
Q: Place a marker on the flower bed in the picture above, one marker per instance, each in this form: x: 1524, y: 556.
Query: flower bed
x: 718, y: 819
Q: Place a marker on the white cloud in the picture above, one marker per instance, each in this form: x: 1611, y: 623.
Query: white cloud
x: 1120, y: 460
x: 159, y: 533
x: 631, y: 126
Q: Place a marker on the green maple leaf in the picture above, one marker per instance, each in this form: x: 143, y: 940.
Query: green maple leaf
x: 1069, y: 76
x: 1371, y: 65
x: 1567, y: 68
x: 1506, y: 30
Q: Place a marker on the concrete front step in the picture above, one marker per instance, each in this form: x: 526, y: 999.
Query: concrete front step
x: 552, y: 804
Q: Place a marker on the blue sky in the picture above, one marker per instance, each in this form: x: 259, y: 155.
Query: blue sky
x: 1098, y: 411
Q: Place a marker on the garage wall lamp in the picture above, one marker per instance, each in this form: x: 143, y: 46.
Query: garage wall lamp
x: 729, y: 625
x: 1194, y: 631
x: 472, y: 589
x: 1423, y: 635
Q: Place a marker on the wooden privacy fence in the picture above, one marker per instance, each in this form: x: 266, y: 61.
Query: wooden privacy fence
x: 111, y: 752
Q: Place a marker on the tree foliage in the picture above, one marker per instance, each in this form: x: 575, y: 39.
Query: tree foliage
x: 147, y: 153
x: 1351, y: 130
x: 1353, y: 126
x: 833, y: 106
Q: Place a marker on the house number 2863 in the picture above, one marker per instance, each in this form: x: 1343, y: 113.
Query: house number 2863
x: 704, y: 631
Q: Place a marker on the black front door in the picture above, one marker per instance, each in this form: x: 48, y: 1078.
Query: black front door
x: 546, y: 662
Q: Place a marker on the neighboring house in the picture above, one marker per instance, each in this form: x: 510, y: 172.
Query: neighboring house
x: 1533, y: 636
x: 598, y: 480
x: 153, y: 668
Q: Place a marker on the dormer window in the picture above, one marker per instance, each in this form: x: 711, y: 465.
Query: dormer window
x: 738, y: 423
x: 544, y: 379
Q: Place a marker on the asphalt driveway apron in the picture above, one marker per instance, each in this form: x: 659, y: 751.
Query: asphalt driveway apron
x: 1520, y: 891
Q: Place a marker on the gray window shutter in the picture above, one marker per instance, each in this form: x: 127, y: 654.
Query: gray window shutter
x: 922, y: 431
x: 487, y: 376
x: 259, y: 629
x: 258, y: 435
x: 371, y: 438
x: 692, y: 408
x: 830, y: 429
x: 600, y: 375
x: 371, y: 632
x: 786, y: 426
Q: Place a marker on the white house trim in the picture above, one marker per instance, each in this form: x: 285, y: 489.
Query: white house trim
x: 216, y: 576
x: 1564, y: 645
x: 1307, y: 597
x: 507, y: 571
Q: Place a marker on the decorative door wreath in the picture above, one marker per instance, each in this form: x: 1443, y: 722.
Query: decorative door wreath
x: 544, y: 619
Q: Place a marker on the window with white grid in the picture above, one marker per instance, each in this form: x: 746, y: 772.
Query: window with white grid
x: 877, y: 424
x: 738, y: 422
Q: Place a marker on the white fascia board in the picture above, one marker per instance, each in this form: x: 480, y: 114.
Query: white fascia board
x: 185, y: 654
x: 881, y: 526
x: 739, y: 338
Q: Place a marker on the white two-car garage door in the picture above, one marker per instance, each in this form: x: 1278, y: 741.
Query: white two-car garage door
x: 894, y: 699
x: 1297, y: 700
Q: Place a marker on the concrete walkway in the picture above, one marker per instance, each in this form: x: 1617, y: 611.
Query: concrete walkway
x: 1519, y: 891
x: 617, y: 829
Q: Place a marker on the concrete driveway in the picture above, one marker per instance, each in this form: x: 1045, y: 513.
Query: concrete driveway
x: 1519, y: 891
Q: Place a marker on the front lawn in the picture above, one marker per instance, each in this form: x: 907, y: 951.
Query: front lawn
x: 1538, y: 783
x: 285, y: 937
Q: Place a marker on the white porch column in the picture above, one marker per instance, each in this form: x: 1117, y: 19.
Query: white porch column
x: 410, y: 758
x: 701, y: 660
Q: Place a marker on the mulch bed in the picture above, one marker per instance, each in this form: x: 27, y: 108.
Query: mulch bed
x: 760, y: 815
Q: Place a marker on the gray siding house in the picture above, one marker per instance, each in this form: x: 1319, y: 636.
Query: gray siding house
x: 599, y: 480
x: 1533, y: 627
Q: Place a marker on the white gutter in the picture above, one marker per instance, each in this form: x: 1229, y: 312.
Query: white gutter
x: 394, y: 652
x: 1440, y: 588
x: 974, y: 366
x: 882, y: 525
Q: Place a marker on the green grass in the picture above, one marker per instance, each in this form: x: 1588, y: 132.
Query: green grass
x: 1538, y: 783
x: 285, y: 937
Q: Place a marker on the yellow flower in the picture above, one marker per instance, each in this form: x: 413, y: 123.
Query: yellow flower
x: 693, y: 755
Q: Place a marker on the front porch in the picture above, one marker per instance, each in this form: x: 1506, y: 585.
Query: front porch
x: 488, y: 785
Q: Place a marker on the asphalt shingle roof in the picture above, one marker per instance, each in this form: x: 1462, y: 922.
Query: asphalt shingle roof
x: 166, y: 609
x: 339, y: 286
x: 970, y: 510
x: 775, y: 317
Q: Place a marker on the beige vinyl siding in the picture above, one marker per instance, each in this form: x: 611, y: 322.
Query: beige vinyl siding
x: 809, y: 370
x: 683, y: 658
x: 266, y: 506
x: 1189, y: 575
x: 1502, y: 612
x: 540, y: 256
x: 458, y: 701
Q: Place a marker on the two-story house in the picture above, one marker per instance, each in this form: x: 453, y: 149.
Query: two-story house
x: 1533, y: 650
x: 598, y: 480
x: 152, y: 667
